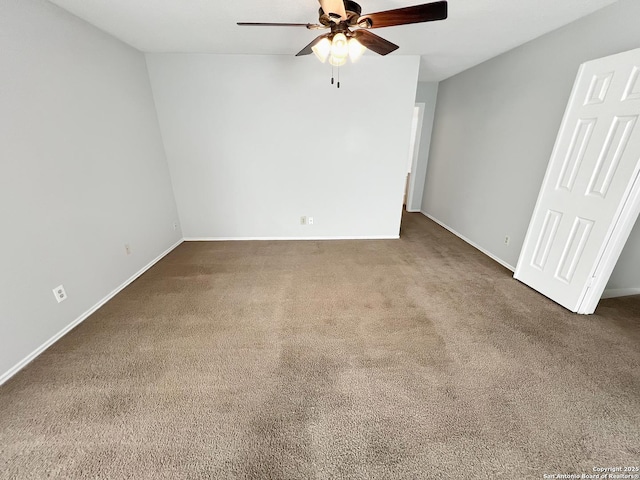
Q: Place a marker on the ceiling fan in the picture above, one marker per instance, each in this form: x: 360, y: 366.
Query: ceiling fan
x: 350, y: 35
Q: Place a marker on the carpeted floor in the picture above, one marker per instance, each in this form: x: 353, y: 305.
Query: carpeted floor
x: 401, y: 359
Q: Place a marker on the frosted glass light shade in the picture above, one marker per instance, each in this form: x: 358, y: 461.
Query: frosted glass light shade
x: 337, y: 62
x: 356, y: 49
x: 339, y: 46
x: 322, y: 49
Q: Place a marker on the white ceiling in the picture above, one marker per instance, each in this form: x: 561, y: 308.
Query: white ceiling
x: 476, y: 30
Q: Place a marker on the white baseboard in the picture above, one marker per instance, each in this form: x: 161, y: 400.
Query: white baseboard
x: 29, y: 358
x: 488, y: 254
x: 620, y: 292
x: 236, y: 239
x: 414, y: 211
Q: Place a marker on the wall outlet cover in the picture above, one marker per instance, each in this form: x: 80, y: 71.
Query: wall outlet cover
x: 60, y: 293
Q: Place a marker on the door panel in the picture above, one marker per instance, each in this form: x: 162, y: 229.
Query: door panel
x: 588, y: 181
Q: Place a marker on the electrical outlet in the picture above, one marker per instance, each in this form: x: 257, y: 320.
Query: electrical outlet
x: 507, y: 240
x: 175, y: 227
x: 303, y: 220
x: 60, y: 294
x: 127, y: 248
x: 310, y: 220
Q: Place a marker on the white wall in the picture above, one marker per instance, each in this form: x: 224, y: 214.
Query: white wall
x: 427, y: 93
x: 625, y: 279
x: 82, y: 172
x: 496, y: 125
x: 256, y: 142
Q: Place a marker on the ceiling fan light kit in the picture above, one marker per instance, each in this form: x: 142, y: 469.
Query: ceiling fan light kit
x: 341, y: 16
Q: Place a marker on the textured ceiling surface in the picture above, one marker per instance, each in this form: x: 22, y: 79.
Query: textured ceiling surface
x: 475, y: 31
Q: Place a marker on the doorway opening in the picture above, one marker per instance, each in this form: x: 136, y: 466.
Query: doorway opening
x: 412, y: 160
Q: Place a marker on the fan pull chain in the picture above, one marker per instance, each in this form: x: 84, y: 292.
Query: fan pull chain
x: 333, y: 77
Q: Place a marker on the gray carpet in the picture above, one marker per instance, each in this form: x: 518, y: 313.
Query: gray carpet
x: 400, y: 359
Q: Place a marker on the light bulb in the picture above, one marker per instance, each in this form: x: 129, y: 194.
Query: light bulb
x: 339, y: 46
x: 322, y: 49
x: 356, y: 49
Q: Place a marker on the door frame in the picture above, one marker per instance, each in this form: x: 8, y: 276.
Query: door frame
x: 416, y: 153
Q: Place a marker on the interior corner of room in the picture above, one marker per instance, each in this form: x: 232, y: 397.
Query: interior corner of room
x: 113, y: 157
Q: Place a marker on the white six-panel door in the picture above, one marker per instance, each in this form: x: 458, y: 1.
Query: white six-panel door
x: 588, y: 186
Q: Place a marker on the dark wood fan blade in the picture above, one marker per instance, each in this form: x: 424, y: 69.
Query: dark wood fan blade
x: 374, y: 43
x: 427, y: 12
x: 307, y: 50
x: 267, y: 24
